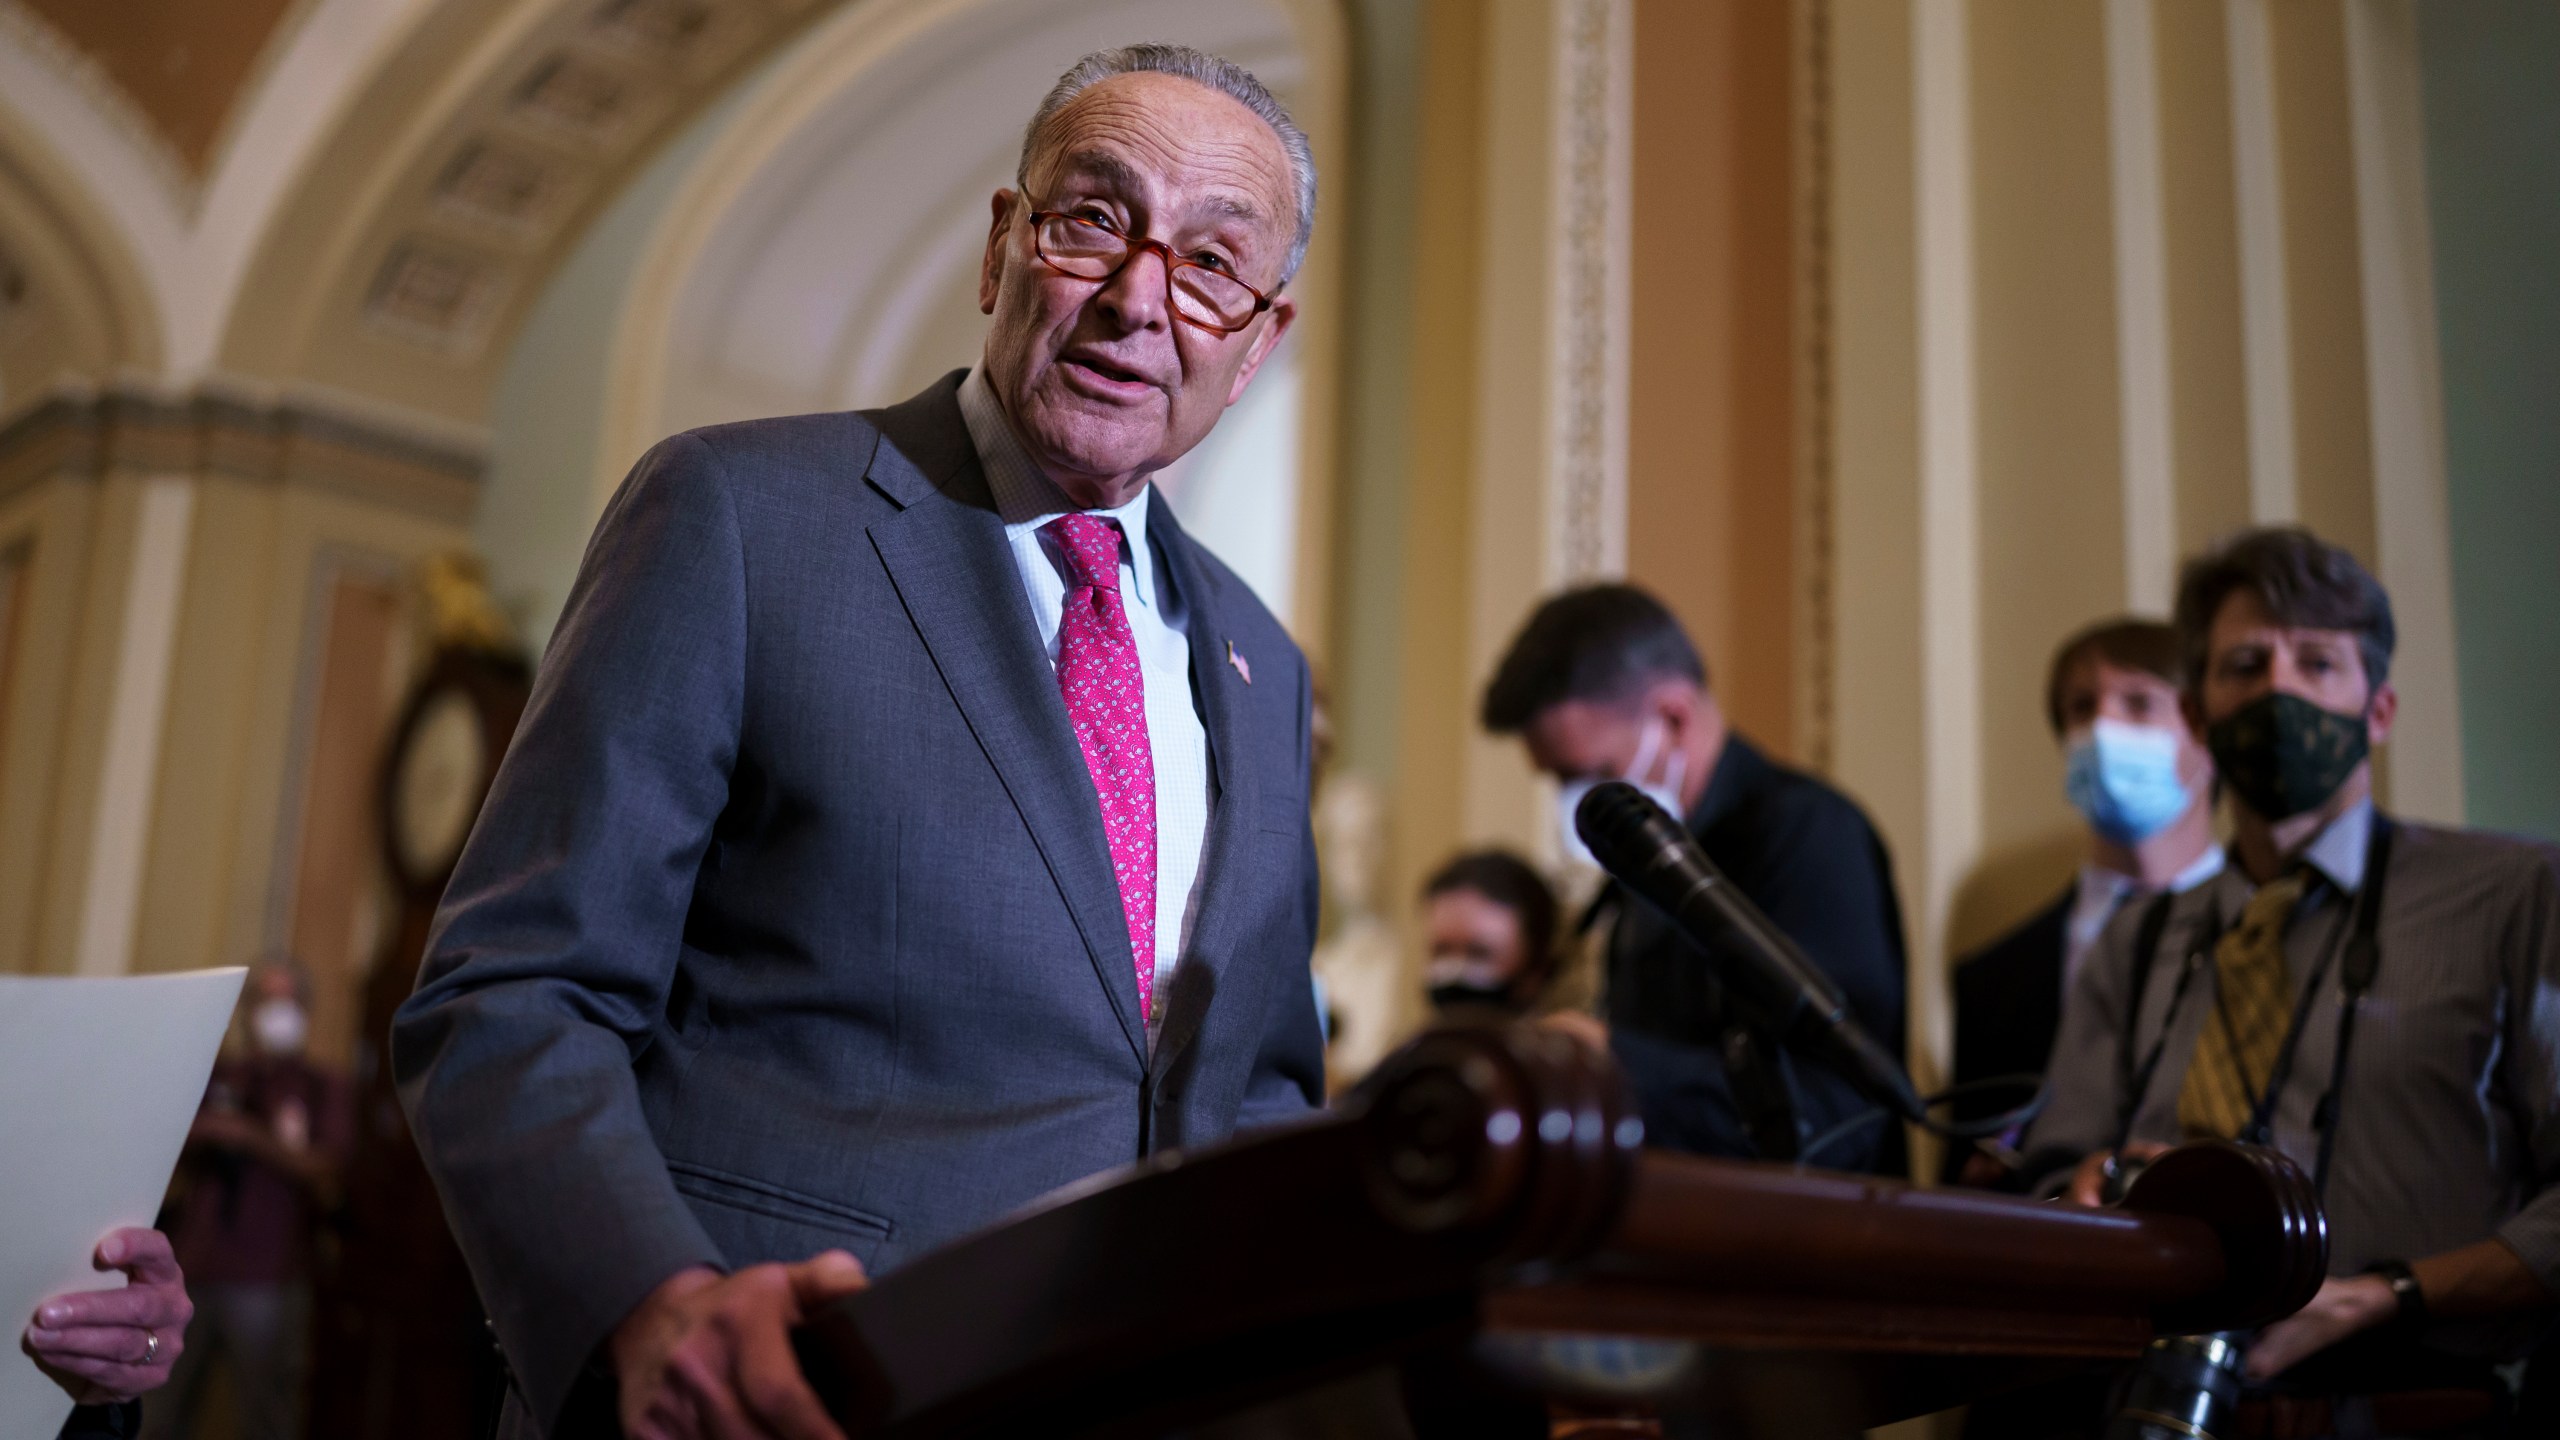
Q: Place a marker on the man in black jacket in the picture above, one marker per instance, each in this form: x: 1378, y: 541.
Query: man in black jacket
x: 2143, y: 783
x: 1603, y: 684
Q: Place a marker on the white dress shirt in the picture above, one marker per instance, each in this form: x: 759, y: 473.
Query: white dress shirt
x: 1026, y: 500
x: 2102, y: 892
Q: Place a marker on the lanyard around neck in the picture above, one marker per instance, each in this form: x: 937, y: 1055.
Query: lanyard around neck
x: 2362, y: 960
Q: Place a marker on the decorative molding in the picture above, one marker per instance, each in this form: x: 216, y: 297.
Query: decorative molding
x: 2144, y: 428
x: 438, y: 295
x: 84, y: 434
x: 1949, y: 488
x: 330, y: 563
x: 1817, y: 620
x: 137, y: 713
x: 502, y: 191
x: 1592, y: 207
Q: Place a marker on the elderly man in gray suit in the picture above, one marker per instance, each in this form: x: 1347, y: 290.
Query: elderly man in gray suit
x: 909, y: 818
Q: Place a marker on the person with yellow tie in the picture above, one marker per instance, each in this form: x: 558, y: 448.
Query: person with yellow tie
x: 2377, y: 998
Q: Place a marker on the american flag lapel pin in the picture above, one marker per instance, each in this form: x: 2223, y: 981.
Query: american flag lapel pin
x: 1238, y: 661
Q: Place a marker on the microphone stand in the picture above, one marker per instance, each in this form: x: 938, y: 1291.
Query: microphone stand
x: 1757, y: 1071
x: 1763, y: 1090
x: 1653, y: 856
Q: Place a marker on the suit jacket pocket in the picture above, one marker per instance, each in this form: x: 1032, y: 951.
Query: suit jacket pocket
x: 755, y: 1221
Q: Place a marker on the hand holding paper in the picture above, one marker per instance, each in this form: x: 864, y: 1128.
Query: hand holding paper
x: 99, y: 1079
x: 107, y: 1346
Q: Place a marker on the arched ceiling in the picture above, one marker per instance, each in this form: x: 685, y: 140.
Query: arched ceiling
x: 391, y: 183
x: 186, y: 233
x: 423, y: 229
x: 181, y: 64
x: 357, y: 195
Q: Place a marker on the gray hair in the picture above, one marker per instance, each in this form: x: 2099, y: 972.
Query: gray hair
x: 1201, y: 68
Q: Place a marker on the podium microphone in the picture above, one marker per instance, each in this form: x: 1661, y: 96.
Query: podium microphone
x: 1652, y: 854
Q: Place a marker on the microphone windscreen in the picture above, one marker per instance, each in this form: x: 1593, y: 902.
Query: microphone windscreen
x: 1625, y: 829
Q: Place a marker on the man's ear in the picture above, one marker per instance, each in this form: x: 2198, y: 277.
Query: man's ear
x: 2384, y: 710
x: 1677, y: 702
x: 2193, y: 756
x: 1283, y: 311
x: 991, y: 267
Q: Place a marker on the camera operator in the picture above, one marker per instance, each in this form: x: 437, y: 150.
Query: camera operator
x: 2372, y: 996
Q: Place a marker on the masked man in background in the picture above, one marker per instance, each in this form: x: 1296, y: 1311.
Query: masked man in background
x: 2372, y: 996
x: 2144, y: 784
x: 1603, y: 684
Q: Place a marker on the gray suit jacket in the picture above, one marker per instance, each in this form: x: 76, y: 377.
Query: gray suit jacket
x: 789, y: 922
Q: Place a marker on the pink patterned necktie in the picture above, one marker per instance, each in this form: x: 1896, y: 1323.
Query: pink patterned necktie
x: 1107, y: 701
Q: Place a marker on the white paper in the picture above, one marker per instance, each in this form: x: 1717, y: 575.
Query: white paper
x: 99, y: 1080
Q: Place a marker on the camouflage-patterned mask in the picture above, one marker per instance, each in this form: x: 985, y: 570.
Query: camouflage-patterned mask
x: 2283, y: 755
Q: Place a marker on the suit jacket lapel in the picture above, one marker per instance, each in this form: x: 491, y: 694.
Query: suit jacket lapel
x: 946, y: 553
x: 1235, y: 786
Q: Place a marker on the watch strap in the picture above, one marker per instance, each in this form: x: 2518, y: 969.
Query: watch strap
x: 2404, y: 1288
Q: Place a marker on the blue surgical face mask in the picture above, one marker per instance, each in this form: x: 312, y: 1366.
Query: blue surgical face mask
x: 2124, y: 778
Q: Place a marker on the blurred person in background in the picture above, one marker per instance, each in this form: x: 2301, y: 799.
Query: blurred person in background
x: 259, y: 1173
x: 1603, y: 684
x: 1490, y: 922
x: 2143, y: 784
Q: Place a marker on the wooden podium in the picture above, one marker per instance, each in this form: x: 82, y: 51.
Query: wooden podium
x: 1485, y: 1198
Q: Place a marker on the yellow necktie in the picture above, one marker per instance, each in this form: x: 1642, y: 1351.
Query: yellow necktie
x: 2238, y: 1048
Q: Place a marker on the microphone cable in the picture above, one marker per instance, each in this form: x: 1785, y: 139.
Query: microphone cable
x: 1965, y: 1131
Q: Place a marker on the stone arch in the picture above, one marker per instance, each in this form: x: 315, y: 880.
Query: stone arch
x: 73, y: 300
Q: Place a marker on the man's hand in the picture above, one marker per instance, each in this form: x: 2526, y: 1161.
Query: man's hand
x: 2088, y: 1183
x: 107, y: 1346
x: 2345, y: 1305
x: 1981, y: 1172
x: 1590, y: 1029
x: 708, y: 1356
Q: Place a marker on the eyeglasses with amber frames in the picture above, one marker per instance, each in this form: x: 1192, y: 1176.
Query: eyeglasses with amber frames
x: 1090, y: 249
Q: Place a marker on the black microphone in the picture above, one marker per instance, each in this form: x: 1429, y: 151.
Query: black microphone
x: 1650, y: 853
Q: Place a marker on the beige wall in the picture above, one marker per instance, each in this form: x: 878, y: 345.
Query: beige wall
x: 1436, y: 679
x: 157, y: 794
x: 1711, y: 426
x: 1980, y: 354
x: 2049, y: 487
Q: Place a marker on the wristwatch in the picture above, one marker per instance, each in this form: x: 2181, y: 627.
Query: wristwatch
x: 2404, y: 1288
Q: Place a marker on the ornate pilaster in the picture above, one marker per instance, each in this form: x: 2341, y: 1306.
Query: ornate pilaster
x: 1591, y: 209
x: 1816, y: 629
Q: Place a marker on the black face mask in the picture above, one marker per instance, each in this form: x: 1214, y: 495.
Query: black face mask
x: 1458, y: 995
x: 2283, y: 755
